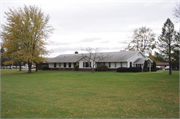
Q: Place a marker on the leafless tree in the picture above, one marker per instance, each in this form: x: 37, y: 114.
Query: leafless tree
x: 93, y: 56
x: 176, y: 11
x: 143, y: 39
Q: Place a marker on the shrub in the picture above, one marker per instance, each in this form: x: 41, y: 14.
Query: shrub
x: 145, y: 66
x: 145, y: 69
x: 154, y: 66
x: 131, y: 69
x: 64, y: 69
x: 154, y: 69
x: 135, y: 69
x: 60, y: 69
x: 122, y: 69
x: 44, y: 67
x: 76, y: 68
x: 102, y: 68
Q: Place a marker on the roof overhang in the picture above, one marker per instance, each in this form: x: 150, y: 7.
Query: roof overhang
x: 141, y: 61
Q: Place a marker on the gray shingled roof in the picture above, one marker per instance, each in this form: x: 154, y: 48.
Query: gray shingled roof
x: 110, y: 57
x: 139, y: 61
x: 65, y: 58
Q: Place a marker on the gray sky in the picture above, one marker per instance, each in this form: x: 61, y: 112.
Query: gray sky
x: 103, y: 24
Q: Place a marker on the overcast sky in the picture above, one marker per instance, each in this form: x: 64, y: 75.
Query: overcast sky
x: 103, y: 24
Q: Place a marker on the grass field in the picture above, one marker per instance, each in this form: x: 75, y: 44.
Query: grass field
x: 70, y: 94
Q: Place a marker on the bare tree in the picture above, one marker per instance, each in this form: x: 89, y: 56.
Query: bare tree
x: 92, y: 57
x: 143, y: 39
x: 176, y: 11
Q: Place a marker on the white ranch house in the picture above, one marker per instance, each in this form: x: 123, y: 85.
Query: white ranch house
x: 113, y: 60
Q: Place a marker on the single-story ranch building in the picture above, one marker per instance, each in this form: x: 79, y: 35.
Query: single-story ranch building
x: 112, y: 60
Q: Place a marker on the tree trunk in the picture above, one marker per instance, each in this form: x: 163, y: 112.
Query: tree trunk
x: 19, y: 66
x: 170, y: 68
x: 36, y: 67
x: 92, y: 68
x: 29, y: 67
x: 170, y: 73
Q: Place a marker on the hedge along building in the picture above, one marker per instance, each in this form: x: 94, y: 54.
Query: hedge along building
x: 112, y: 60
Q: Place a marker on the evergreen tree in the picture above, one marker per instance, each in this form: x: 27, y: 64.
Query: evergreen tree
x: 167, y: 42
x: 154, y: 66
x: 145, y: 66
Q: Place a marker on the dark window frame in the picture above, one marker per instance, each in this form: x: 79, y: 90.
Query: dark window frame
x: 86, y: 64
x: 64, y: 64
x: 54, y: 65
x: 138, y: 65
x: 130, y: 64
x: 74, y: 64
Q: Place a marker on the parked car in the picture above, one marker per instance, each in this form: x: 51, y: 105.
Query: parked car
x: 158, y: 67
x: 25, y: 67
x: 33, y: 67
x: 167, y: 68
x: 22, y: 67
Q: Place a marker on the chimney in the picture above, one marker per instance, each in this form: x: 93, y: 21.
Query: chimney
x: 76, y: 52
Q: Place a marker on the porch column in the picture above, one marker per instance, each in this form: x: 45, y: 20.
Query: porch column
x: 149, y: 63
x: 142, y: 66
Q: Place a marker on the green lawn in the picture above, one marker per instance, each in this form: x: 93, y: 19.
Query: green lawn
x: 70, y: 94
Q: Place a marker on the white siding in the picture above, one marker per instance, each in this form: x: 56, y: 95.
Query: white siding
x: 60, y: 65
x: 124, y: 64
x: 81, y: 64
x: 107, y: 64
x: 128, y: 65
x: 135, y: 57
x: 51, y: 65
x: 118, y: 64
x: 57, y: 65
x: 112, y: 65
x: 72, y: 65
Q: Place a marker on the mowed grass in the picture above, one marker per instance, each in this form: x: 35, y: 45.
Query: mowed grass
x: 71, y: 94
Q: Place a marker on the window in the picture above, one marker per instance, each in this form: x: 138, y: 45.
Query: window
x: 109, y: 64
x: 121, y: 64
x: 69, y: 64
x: 86, y: 64
x: 130, y: 64
x: 138, y: 65
x: 115, y: 64
x: 54, y: 64
x: 98, y: 63
x: 64, y: 64
x: 74, y: 64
